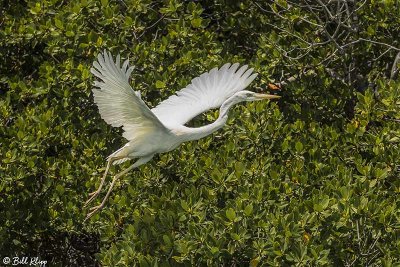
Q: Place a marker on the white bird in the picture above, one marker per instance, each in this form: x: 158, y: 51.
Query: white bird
x: 162, y: 129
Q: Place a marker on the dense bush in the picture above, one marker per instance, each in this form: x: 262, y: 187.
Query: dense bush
x: 310, y: 180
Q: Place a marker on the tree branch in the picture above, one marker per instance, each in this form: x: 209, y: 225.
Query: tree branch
x: 395, y: 69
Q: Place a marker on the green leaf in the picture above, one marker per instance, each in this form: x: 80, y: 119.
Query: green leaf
x: 382, y: 173
x: 70, y: 33
x: 372, y: 183
x: 167, y: 240
x: 196, y: 22
x: 321, y: 203
x: 58, y: 23
x: 160, y: 84
x: 299, y: 146
x: 230, y: 214
x: 184, y: 205
x: 182, y: 218
x: 248, y: 210
x: 370, y: 30
x: 235, y: 236
x: 214, y: 250
x: 60, y: 189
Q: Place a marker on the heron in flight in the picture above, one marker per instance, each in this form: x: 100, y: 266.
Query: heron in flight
x: 162, y: 129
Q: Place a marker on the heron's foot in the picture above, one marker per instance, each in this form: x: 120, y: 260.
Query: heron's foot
x: 93, y: 211
x: 92, y: 196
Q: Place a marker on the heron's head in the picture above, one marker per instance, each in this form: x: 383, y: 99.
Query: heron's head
x: 252, y: 96
x: 242, y: 96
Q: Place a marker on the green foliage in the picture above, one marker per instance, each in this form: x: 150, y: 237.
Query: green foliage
x: 311, y: 180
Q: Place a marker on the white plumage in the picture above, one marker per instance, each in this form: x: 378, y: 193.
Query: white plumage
x: 162, y: 129
x: 205, y: 92
x: 119, y: 105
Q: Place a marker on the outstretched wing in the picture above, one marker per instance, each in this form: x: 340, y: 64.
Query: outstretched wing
x: 119, y: 105
x: 205, y: 92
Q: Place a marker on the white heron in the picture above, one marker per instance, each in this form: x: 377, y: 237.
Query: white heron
x: 162, y: 129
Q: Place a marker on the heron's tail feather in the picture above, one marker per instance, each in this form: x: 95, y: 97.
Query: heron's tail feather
x: 122, y: 152
x: 120, y: 161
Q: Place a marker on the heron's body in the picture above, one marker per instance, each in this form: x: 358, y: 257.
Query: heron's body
x: 159, y: 142
x: 162, y: 128
x: 164, y: 141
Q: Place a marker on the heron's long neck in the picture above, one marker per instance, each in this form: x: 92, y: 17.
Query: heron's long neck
x: 200, y: 132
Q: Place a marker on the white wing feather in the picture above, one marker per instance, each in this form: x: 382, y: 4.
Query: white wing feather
x: 205, y: 92
x: 119, y: 105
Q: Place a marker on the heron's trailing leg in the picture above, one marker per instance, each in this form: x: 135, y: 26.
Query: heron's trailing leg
x: 94, y: 194
x: 135, y: 165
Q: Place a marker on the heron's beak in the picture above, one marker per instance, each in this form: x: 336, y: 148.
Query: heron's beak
x: 265, y: 96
